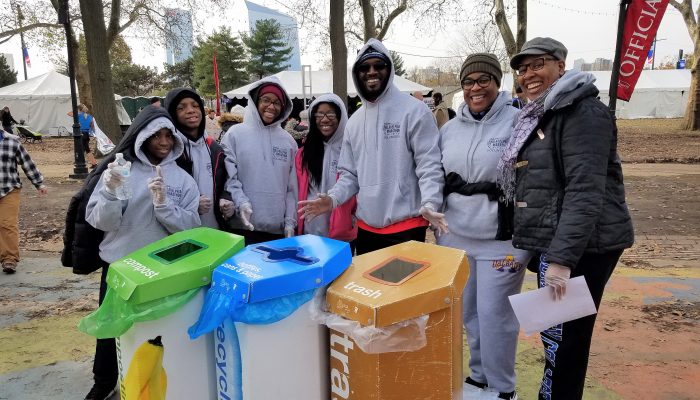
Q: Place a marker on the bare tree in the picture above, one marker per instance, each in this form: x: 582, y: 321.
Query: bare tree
x: 692, y: 111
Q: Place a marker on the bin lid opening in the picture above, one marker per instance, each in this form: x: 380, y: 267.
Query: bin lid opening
x: 178, y: 251
x: 395, y: 271
x: 288, y: 254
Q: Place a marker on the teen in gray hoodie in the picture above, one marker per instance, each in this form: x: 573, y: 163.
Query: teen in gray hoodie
x: 390, y: 158
x: 471, y: 145
x: 160, y: 204
x: 260, y: 164
x: 122, y: 226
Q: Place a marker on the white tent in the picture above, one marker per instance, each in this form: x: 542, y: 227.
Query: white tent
x: 658, y: 93
x: 322, y: 82
x: 44, y: 101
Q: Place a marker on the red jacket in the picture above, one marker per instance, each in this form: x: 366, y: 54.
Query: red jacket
x: 342, y: 225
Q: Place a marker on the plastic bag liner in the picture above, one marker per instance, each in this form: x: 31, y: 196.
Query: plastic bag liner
x: 116, y: 315
x: 402, y: 336
x: 219, y: 305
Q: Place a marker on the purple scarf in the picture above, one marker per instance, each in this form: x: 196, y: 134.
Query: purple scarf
x: 528, y: 119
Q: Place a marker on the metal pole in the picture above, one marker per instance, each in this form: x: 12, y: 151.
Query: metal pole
x: 615, y: 76
x: 653, y: 55
x: 80, y: 170
x: 20, y: 17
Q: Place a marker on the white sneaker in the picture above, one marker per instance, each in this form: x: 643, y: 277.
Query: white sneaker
x: 471, y: 392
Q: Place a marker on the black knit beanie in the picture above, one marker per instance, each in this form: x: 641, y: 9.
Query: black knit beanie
x: 482, y: 62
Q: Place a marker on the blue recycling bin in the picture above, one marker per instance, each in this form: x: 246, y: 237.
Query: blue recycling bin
x: 262, y: 332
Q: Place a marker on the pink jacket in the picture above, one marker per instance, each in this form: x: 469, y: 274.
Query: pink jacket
x: 342, y: 225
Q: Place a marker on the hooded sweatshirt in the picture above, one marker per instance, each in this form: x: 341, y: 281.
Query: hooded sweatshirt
x: 331, y: 153
x: 197, y: 154
x: 472, y: 149
x: 260, y: 165
x: 131, y: 224
x: 390, y: 155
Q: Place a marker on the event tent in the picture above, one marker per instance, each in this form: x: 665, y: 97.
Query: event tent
x: 321, y: 82
x: 658, y: 93
x: 44, y: 101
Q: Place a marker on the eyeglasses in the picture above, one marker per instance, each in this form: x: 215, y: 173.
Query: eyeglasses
x: 330, y: 115
x: 266, y: 102
x: 536, y: 65
x: 378, y: 66
x: 484, y: 81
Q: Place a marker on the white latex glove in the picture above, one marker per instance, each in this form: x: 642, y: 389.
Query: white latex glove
x: 204, y: 204
x: 246, y: 211
x: 156, y: 186
x: 310, y: 209
x: 227, y: 208
x: 112, y: 179
x: 556, y: 277
x: 289, y: 231
x: 436, y: 219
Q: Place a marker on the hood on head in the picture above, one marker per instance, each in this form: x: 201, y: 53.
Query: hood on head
x: 251, y: 111
x: 173, y: 98
x: 372, y: 44
x: 342, y: 121
x: 569, y: 87
x: 151, y: 129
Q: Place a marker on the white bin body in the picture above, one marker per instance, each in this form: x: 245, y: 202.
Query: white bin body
x: 189, y: 364
x: 284, y: 360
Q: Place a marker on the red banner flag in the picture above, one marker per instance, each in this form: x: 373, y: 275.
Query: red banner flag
x: 216, y: 86
x: 641, y: 23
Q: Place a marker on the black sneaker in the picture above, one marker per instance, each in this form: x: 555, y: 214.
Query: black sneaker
x: 100, y: 392
x: 472, y: 382
x: 508, y: 396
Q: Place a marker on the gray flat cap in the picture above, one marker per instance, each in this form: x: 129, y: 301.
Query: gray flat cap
x: 540, y: 46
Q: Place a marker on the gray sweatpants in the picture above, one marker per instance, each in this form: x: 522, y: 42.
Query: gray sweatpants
x: 496, y: 271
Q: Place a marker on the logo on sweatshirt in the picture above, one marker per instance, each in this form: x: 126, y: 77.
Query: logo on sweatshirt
x: 507, y: 264
x: 174, y: 193
x: 496, y: 145
x: 334, y: 167
x: 392, y: 130
x: 280, y: 154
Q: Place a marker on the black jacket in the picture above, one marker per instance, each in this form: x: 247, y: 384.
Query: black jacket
x: 570, y: 197
x: 81, y: 241
x: 219, y: 174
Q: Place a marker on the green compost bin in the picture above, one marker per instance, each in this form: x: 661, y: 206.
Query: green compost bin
x: 157, y: 279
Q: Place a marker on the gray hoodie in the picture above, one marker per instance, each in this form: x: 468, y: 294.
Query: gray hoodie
x: 472, y: 149
x: 260, y: 166
x: 390, y: 156
x: 331, y: 154
x: 134, y: 223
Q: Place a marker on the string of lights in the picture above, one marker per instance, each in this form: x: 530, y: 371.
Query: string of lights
x: 573, y: 10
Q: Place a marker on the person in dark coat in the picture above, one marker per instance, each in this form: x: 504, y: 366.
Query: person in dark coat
x: 562, y: 171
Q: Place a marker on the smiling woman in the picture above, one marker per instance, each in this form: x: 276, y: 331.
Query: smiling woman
x: 567, y: 187
x: 474, y: 215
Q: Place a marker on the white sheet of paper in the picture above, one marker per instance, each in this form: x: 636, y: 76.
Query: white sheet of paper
x: 537, y: 310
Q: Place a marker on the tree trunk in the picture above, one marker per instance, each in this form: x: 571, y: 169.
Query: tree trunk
x: 339, y: 51
x: 692, y: 111
x: 368, y: 18
x: 521, y: 35
x: 99, y: 68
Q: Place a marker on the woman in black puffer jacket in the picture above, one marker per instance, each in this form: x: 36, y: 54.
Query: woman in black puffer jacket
x: 562, y: 171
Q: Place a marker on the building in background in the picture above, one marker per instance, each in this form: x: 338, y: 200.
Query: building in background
x: 600, y: 64
x: 178, y: 41
x: 246, y: 13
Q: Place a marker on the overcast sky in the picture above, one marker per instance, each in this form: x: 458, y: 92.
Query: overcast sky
x: 587, y: 29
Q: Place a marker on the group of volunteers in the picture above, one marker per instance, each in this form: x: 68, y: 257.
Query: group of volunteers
x: 538, y: 188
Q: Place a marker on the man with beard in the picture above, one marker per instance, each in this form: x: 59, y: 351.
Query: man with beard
x: 390, y: 158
